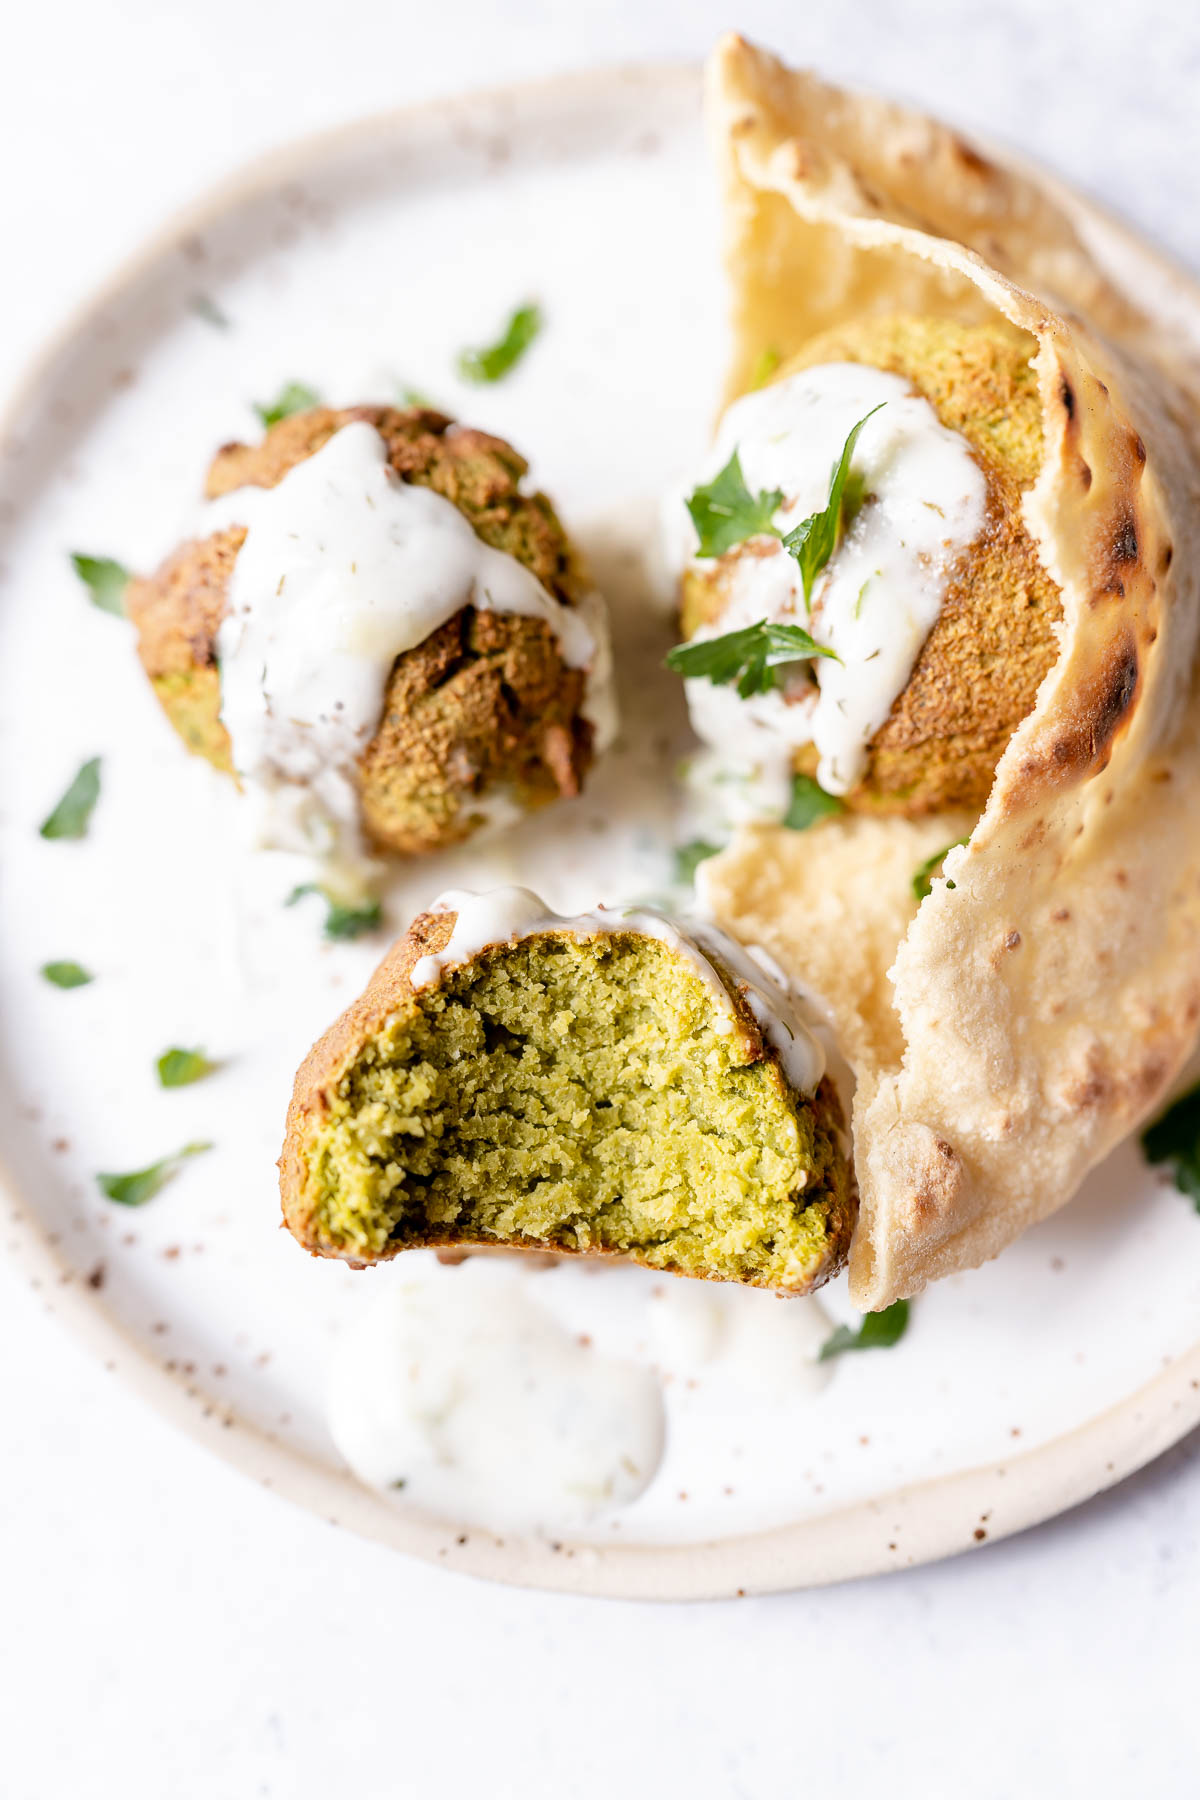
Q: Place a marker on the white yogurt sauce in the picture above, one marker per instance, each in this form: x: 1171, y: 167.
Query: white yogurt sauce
x: 881, y: 591
x: 549, y: 1400
x: 458, y: 1390
x: 754, y: 1338
x: 507, y: 914
x: 344, y: 567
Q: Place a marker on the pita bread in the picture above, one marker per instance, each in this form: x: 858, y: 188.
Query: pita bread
x: 1010, y: 1029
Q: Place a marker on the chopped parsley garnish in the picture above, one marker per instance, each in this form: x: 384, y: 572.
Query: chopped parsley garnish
x: 688, y: 858
x: 862, y: 594
x: 922, y: 881
x: 179, y: 1068
x: 1175, y: 1139
x: 750, y: 656
x: 293, y: 397
x: 726, y: 513
x: 70, y: 817
x: 809, y: 803
x: 767, y: 362
x: 492, y: 362
x: 142, y: 1184
x: 206, y: 308
x: 66, y: 974
x: 105, y: 581
x: 341, y: 922
x: 411, y: 396
x: 815, y: 539
x: 878, y: 1331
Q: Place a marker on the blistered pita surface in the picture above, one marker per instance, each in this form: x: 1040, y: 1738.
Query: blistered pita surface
x: 1006, y: 1034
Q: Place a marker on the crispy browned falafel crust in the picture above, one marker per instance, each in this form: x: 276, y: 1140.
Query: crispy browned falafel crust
x: 484, y: 704
x: 980, y: 668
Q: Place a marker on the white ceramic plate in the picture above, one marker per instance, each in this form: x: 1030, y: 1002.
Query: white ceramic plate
x: 355, y: 263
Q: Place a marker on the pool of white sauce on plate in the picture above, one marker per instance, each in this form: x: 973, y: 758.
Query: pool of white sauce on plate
x: 507, y: 914
x: 517, y: 1397
x: 881, y: 592
x: 343, y: 568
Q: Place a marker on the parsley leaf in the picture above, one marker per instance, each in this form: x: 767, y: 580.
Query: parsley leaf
x: 922, y: 881
x: 749, y: 657
x: 411, y: 396
x: 70, y: 817
x: 726, y: 513
x: 341, y: 922
x: 766, y: 363
x: 293, y: 397
x: 814, y: 540
x: 66, y: 974
x: 492, y: 362
x: 105, y: 581
x: 179, y: 1068
x: 809, y: 803
x: 688, y: 858
x: 206, y: 308
x: 141, y: 1185
x: 1175, y: 1139
x: 878, y: 1331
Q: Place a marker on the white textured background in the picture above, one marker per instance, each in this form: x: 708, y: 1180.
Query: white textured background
x: 167, y: 1629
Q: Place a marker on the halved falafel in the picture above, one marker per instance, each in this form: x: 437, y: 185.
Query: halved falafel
x: 484, y: 709
x: 607, y: 1085
x: 978, y: 671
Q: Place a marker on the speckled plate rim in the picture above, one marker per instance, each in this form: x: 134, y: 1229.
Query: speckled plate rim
x: 918, y: 1523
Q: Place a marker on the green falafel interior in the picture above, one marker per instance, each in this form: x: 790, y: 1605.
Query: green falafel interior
x: 603, y: 1085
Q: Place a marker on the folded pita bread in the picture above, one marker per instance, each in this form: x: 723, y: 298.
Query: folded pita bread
x: 1006, y: 1033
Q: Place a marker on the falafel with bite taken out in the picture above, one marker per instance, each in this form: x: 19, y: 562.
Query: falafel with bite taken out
x: 613, y: 1084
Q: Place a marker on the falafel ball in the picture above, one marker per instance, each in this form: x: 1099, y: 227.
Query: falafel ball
x: 978, y: 672
x: 484, y: 707
x: 604, y: 1085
